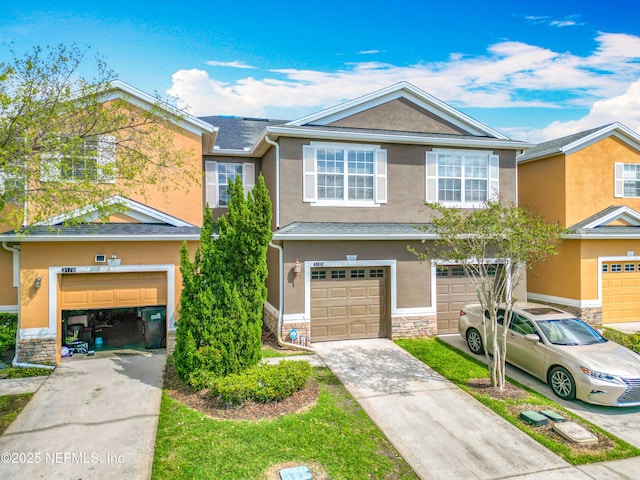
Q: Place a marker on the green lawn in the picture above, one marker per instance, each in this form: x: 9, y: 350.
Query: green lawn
x: 335, y: 433
x: 10, y: 407
x: 460, y: 367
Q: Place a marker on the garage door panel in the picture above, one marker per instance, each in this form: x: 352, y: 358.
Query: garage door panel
x: 112, y: 290
x: 356, y: 307
x: 452, y: 294
x: 620, y: 294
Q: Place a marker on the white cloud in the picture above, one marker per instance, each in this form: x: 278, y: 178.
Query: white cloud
x: 509, y: 74
x: 569, y: 21
x: 369, y: 52
x: 623, y: 108
x: 215, y: 63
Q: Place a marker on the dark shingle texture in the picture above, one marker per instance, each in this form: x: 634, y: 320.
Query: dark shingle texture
x: 238, y: 133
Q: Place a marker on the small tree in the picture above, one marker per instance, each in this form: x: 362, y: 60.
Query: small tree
x: 495, y: 245
x: 57, y: 125
x: 224, y: 290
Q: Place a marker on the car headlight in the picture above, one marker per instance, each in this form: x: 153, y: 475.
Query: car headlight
x: 605, y: 377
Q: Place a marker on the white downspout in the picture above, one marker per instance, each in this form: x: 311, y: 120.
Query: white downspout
x: 277, y: 145
x: 281, y: 342
x: 15, y: 363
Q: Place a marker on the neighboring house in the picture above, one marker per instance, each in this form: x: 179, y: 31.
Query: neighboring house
x: 95, y: 274
x: 348, y: 186
x: 589, y: 182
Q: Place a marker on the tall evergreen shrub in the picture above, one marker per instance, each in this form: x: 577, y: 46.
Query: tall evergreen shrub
x: 220, y: 325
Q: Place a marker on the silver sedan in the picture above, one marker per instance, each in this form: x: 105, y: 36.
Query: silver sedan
x: 571, y: 356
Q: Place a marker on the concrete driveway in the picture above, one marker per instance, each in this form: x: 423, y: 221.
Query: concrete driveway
x: 94, y: 417
x: 441, y: 431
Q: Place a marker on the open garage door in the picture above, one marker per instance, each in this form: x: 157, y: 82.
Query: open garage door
x: 113, y: 310
x: 112, y: 290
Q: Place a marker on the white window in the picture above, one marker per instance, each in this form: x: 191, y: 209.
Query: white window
x: 218, y: 176
x: 461, y: 178
x: 11, y: 188
x: 344, y: 174
x: 627, y: 180
x: 93, y: 160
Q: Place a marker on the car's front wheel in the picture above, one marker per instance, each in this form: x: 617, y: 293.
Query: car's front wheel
x: 562, y: 383
x: 474, y: 341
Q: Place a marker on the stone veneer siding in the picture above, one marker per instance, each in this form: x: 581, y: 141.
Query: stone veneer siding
x: 414, y: 326
x: 37, y: 350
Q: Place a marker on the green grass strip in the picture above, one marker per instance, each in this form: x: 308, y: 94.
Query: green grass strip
x: 459, y: 368
x: 335, y: 433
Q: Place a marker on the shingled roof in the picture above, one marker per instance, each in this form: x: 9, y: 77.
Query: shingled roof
x: 238, y: 133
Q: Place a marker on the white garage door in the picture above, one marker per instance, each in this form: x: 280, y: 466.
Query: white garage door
x: 348, y: 303
x: 620, y: 292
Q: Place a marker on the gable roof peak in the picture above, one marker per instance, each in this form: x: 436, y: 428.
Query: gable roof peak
x: 577, y: 141
x: 405, y: 90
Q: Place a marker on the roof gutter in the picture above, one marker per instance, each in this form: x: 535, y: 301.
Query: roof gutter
x: 277, y: 146
x: 368, y: 236
x: 395, y: 138
x: 97, y: 238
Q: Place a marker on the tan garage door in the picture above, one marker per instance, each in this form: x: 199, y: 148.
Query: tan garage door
x: 620, y: 292
x: 453, y: 291
x: 348, y: 303
x: 111, y: 290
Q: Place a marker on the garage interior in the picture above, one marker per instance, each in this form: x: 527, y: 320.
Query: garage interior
x: 114, y: 328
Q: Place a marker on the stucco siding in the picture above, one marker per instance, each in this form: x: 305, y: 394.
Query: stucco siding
x: 590, y: 178
x: 406, y: 187
x: 541, y: 188
x: 558, y: 275
x: 400, y: 115
x: 8, y: 293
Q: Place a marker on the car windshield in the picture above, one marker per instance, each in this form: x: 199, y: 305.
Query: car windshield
x: 569, y: 331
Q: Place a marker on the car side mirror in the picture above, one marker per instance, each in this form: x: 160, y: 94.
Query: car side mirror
x: 532, y: 337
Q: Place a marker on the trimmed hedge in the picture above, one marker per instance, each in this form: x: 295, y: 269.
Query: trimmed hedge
x: 631, y: 341
x: 263, y: 383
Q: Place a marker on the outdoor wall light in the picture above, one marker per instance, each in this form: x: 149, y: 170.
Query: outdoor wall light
x: 37, y: 283
x: 296, y: 270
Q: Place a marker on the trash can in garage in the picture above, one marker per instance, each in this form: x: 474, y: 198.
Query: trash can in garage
x: 155, y: 326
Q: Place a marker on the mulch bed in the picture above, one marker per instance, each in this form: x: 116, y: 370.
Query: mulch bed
x: 205, y: 403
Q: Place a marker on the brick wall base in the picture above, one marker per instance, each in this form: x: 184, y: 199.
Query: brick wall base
x: 414, y: 326
x: 37, y: 350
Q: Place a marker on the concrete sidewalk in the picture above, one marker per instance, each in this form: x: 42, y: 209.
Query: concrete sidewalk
x: 16, y: 386
x: 441, y: 431
x: 93, y: 417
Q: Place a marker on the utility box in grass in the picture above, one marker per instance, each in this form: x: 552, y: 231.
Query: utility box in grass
x: 154, y: 323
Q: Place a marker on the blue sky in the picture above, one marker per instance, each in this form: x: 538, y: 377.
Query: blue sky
x: 533, y: 70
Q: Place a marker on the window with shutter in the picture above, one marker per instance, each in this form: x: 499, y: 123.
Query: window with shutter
x: 627, y: 180
x: 217, y: 178
x: 344, y: 174
x: 464, y: 178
